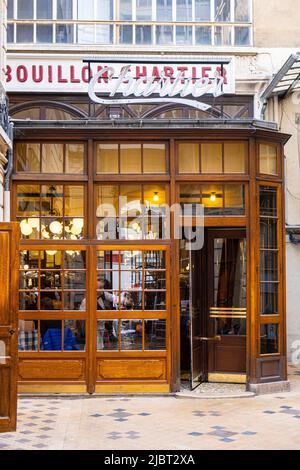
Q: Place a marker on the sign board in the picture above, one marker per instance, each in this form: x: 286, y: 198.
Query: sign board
x: 156, y: 81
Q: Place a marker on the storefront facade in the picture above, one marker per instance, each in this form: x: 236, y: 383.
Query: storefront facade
x: 111, y: 299
x: 129, y: 308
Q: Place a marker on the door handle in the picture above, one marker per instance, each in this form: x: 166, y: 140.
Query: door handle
x: 12, y: 332
x: 204, y: 338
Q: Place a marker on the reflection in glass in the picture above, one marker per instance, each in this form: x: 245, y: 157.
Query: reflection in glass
x: 143, y: 34
x: 28, y: 335
x: 155, y: 335
x: 74, y: 259
x: 223, y: 35
x: 184, y: 10
x: 184, y: 35
x: 155, y: 259
x: 131, y: 335
x: 164, y: 10
x: 132, y: 300
x: 154, y: 158
x: 155, y: 280
x: 164, y: 35
x: 203, y: 35
x: 52, y: 200
x: 108, y: 259
x: 131, y: 260
x: 234, y: 199
x: 74, y: 301
x: 269, y: 339
x: 268, y: 201
x: 131, y: 280
x: 268, y: 159
x: 107, y: 300
x: 64, y: 9
x: 222, y: 10
x: 131, y: 158
x: 44, y: 33
x: 108, y: 158
x: 126, y: 10
x: 211, y: 158
x: 242, y: 36
x: 126, y: 34
x: 28, y: 200
x: 85, y: 34
x: 144, y: 10
x: 75, y: 158
x: 202, y: 10
x: 269, y: 266
x: 44, y: 9
x: 28, y: 157
x: 25, y: 9
x: 268, y: 234
x: 29, y: 259
x: 242, y: 10
x: 74, y: 335
x: 52, y: 158
x: 64, y: 33
x: 51, y: 259
x: 107, y: 335
x: 108, y: 280
x: 234, y: 157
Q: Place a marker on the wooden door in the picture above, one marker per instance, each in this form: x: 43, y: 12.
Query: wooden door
x: 9, y: 244
x: 227, y: 294
x: 131, y: 319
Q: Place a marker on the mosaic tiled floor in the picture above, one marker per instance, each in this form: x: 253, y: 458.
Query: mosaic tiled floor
x: 135, y: 423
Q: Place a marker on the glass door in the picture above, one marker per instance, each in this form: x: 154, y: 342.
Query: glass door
x: 227, y: 301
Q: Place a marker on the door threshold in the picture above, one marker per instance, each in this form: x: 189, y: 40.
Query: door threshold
x: 222, y: 378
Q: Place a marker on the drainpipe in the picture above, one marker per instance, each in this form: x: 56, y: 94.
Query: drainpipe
x: 8, y: 173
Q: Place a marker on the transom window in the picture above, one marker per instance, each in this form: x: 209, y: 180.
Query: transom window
x: 190, y: 22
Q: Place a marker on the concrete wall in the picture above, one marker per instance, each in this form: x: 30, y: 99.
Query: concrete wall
x: 276, y: 23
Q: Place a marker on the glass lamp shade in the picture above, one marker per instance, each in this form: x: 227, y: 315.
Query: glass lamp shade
x: 26, y: 229
x: 56, y: 227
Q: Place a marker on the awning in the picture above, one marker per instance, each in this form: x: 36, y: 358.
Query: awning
x: 286, y: 80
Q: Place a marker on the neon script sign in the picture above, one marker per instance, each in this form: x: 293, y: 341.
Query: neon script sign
x: 157, y: 84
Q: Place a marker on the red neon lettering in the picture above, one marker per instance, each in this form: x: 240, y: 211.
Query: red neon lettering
x: 39, y: 78
x: 22, y: 74
x: 60, y: 75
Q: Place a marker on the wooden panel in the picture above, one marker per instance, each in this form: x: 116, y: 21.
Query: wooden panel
x: 51, y: 369
x: 51, y: 388
x: 110, y: 388
x: 270, y: 369
x: 134, y: 369
x: 4, y: 277
x: 9, y: 241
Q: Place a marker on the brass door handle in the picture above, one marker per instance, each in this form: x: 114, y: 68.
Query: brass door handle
x: 214, y: 338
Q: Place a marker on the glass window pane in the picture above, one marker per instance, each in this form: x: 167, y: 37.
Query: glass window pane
x: 125, y: 7
x: 28, y: 335
x: 155, y: 335
x: 131, y: 335
x: 75, y: 301
x: 74, y: 335
x: 126, y: 34
x: 164, y: 35
x: 107, y: 201
x: 269, y: 266
x: 52, y: 158
x: 130, y: 158
x: 51, y: 300
x: 28, y: 280
x: 222, y: 10
x: 144, y: 10
x: 74, y: 259
x: 28, y: 157
x: 25, y: 9
x: 131, y: 260
x: 268, y: 201
x: 164, y: 10
x: 212, y: 199
x: 44, y: 9
x: 104, y: 9
x: 51, y: 280
x: 24, y: 33
x: 75, y: 158
x: 28, y: 301
x: 51, y: 335
x: 74, y: 280
x: 64, y: 33
x: 85, y: 34
x: 74, y: 201
x: 155, y: 259
x: 154, y: 195
x: 242, y: 36
x: 51, y: 259
x: 188, y: 156
x: 223, y: 35
x: 234, y: 157
x: 130, y: 200
x: 154, y: 158
x: 52, y: 200
x: 29, y: 259
x: 44, y: 33
x: 155, y: 300
x: 143, y: 34
x: 10, y: 33
x: 202, y: 10
x: 10, y: 9
x: 85, y: 10
x: 242, y: 10
x: 28, y: 200
x: 154, y: 280
x: 189, y: 197
x: 203, y: 35
x: 184, y: 35
x: 108, y: 158
x: 104, y: 34
x: 234, y: 199
x: 268, y: 159
x: 64, y: 9
x: 107, y: 335
x: 211, y: 158
x: 269, y: 339
x: 268, y: 234
x: 184, y: 10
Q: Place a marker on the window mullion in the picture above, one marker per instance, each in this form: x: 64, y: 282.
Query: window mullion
x: 212, y: 10
x: 174, y: 11
x: 154, y: 13
x: 133, y: 10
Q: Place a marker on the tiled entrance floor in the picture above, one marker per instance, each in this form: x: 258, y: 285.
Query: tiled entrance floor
x: 133, y: 423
